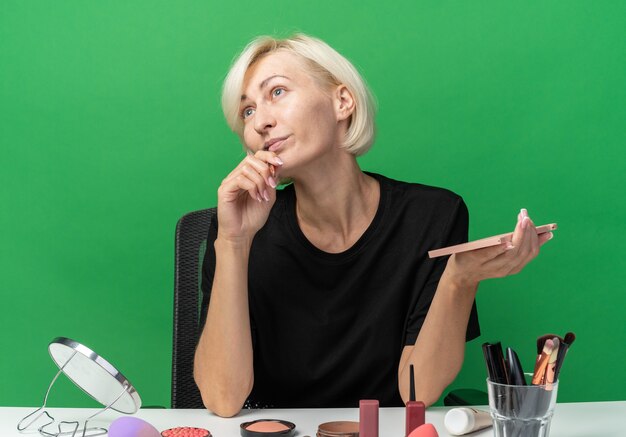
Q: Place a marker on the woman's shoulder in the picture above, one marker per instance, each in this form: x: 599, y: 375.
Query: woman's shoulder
x: 403, y: 191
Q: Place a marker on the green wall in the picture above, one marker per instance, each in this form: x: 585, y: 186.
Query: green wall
x: 110, y: 129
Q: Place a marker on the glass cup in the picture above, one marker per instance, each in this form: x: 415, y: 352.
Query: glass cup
x: 521, y: 410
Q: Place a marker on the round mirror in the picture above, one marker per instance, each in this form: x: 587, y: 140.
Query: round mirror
x: 94, y: 375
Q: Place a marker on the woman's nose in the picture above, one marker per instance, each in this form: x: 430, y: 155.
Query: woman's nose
x: 263, y: 119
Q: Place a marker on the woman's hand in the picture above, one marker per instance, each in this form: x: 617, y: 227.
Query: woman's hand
x: 469, y: 268
x: 246, y: 196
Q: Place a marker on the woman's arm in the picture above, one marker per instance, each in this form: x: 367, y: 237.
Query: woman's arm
x: 223, y: 366
x: 223, y: 360
x: 437, y: 355
x: 438, y: 352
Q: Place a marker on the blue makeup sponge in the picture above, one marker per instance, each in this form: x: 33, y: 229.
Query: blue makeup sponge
x: 132, y: 427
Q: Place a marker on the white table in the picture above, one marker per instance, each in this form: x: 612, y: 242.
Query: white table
x: 584, y: 419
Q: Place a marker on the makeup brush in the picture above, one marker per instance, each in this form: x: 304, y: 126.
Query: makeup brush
x: 541, y: 341
x: 542, y: 362
x: 565, y: 344
x: 550, y: 376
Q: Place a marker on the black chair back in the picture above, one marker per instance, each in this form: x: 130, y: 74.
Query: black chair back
x: 191, y: 234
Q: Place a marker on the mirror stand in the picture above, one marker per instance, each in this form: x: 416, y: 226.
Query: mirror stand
x: 83, y: 376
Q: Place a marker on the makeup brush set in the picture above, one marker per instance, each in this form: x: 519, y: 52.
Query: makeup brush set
x: 521, y: 406
x: 551, y: 351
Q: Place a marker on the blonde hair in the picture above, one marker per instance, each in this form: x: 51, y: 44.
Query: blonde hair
x: 325, y: 65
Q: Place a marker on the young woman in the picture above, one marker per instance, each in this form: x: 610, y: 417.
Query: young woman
x: 322, y: 293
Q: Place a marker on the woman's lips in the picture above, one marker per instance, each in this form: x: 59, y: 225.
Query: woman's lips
x: 275, y: 146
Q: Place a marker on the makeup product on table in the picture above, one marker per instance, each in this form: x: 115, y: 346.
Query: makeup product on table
x: 459, y: 421
x: 569, y: 338
x: 415, y: 415
x: 550, y: 370
x: 368, y: 418
x: 338, y: 429
x: 541, y: 341
x: 485, y: 242
x: 132, y: 427
x: 267, y: 428
x: 542, y: 362
x: 426, y: 430
x: 411, y: 383
x: 518, y: 409
x: 565, y: 344
x: 496, y: 367
x: 186, y: 431
x: 514, y: 367
x: 415, y: 410
x: 521, y: 410
x: 563, y: 347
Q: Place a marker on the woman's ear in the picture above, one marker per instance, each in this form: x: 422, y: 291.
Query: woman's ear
x: 344, y: 102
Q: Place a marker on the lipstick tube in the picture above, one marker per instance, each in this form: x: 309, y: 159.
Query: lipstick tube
x: 415, y: 415
x: 368, y: 418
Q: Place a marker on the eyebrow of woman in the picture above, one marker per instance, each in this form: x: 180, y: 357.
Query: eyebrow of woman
x: 264, y: 84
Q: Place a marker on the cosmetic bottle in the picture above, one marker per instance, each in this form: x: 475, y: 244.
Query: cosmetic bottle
x: 459, y: 421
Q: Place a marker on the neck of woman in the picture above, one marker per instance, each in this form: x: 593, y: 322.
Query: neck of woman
x: 336, y: 204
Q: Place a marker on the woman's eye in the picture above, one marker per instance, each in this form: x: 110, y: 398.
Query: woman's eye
x: 247, y: 112
x: 277, y: 92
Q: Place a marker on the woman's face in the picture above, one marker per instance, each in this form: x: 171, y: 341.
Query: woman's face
x: 284, y: 110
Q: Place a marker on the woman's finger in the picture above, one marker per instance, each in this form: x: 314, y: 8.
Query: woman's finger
x: 266, y: 164
x: 519, y: 231
x: 524, y: 245
x: 531, y: 241
x: 504, y: 264
x: 260, y: 164
x: 528, y: 247
x: 273, y: 164
x: 259, y: 180
x: 232, y: 187
x: 544, y: 238
x: 269, y: 157
x: 510, y: 260
x: 246, y: 177
x: 245, y: 184
x: 525, y: 238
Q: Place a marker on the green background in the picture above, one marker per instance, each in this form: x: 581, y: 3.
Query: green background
x: 111, y: 129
